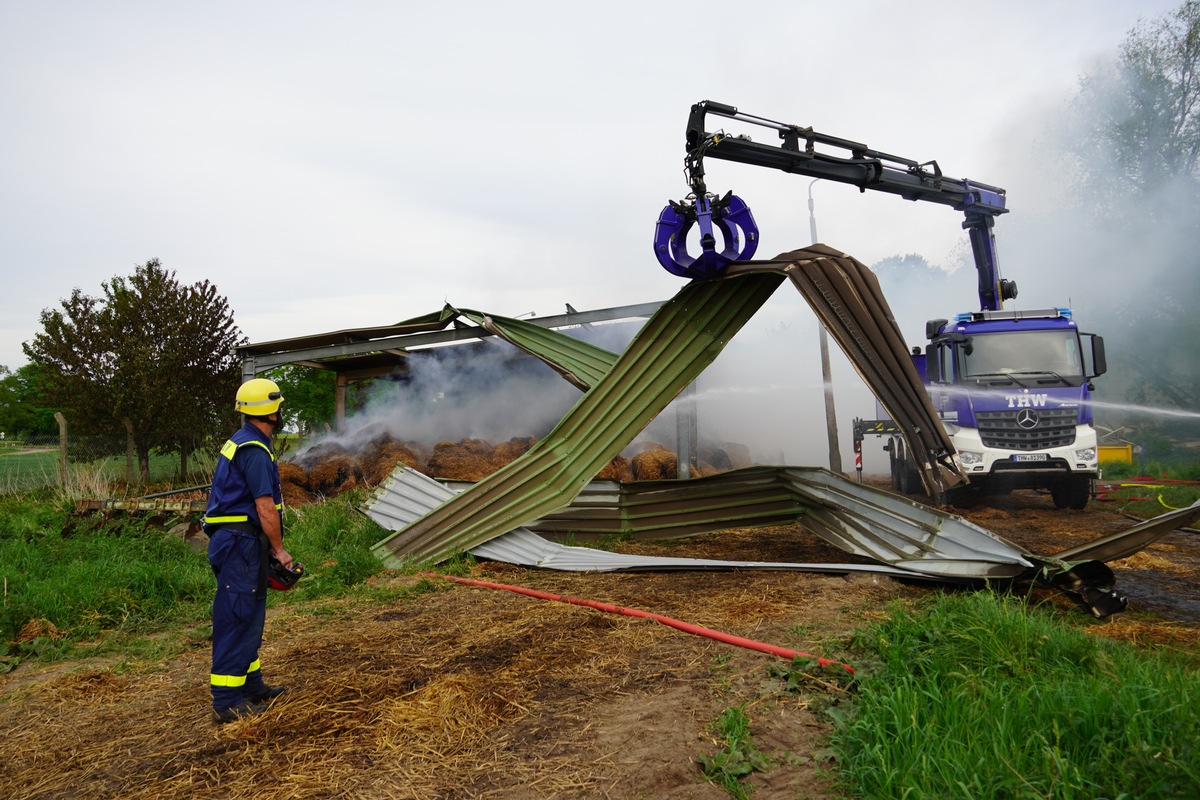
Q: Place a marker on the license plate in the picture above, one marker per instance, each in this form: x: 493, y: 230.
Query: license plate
x: 1030, y: 457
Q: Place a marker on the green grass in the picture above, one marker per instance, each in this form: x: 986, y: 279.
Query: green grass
x: 20, y: 472
x: 1158, y: 491
x: 29, y: 471
x: 108, y: 587
x: 738, y: 757
x: 978, y: 696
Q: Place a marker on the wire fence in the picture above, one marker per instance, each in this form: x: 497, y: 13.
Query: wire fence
x: 93, y: 465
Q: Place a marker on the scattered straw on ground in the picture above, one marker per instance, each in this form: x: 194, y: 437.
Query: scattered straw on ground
x: 473, y: 693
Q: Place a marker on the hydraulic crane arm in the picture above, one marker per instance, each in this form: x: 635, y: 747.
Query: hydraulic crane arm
x: 859, y: 166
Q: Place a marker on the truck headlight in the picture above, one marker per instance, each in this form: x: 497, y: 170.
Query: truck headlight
x: 951, y: 428
x: 970, y: 459
x: 1086, y: 454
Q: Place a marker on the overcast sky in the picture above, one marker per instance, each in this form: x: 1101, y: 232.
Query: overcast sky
x: 333, y: 165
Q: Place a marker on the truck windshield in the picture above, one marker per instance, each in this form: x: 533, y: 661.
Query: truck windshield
x: 1025, y: 357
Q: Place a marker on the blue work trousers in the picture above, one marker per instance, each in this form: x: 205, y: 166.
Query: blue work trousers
x: 239, y: 612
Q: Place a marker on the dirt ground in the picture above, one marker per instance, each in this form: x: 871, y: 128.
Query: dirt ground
x: 475, y: 693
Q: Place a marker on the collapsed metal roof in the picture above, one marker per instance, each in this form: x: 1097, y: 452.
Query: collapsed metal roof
x: 538, y: 491
x: 674, y: 346
x: 904, y: 538
x: 911, y: 539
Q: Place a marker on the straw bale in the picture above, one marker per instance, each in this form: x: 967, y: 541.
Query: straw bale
x: 295, y: 496
x: 335, y: 474
x: 511, y: 450
x: 619, y: 469
x: 383, y: 454
x: 293, y: 473
x: 655, y: 464
x: 319, y: 453
x: 464, y: 460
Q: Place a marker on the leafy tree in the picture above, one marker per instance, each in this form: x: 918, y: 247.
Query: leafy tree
x: 309, y: 396
x: 22, y: 409
x: 1136, y: 157
x: 1140, y: 119
x: 151, y: 351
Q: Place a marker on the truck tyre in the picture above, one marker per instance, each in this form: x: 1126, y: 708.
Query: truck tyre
x: 1072, y: 492
x: 962, y: 496
x: 899, y: 464
x: 1080, y: 491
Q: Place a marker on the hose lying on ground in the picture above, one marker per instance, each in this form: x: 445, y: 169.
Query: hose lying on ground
x: 686, y: 627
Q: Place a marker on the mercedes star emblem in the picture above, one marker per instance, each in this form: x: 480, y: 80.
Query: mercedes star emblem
x: 1027, y: 418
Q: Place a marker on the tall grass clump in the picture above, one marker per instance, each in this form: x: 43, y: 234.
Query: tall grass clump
x: 104, y: 579
x: 979, y: 696
x: 333, y: 541
x: 125, y: 577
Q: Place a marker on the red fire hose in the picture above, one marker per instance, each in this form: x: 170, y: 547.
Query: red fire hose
x: 686, y: 627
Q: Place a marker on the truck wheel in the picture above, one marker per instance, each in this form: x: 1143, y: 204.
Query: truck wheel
x: 1079, y: 491
x: 1073, y: 492
x: 962, y: 496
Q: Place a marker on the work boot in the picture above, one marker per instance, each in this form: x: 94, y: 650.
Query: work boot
x: 221, y: 716
x: 264, y: 694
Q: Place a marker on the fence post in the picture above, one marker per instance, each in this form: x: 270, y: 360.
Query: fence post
x: 62, y: 448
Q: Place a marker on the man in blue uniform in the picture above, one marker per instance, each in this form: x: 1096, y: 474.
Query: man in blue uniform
x: 244, y: 524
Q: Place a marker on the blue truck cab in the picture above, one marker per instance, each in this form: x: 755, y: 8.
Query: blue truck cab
x: 1013, y: 389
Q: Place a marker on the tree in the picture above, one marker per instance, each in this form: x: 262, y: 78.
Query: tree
x: 1136, y: 158
x: 309, y: 396
x: 22, y: 409
x: 1140, y: 119
x: 151, y: 353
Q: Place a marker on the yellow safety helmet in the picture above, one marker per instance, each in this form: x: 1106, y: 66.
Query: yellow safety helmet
x: 258, y: 397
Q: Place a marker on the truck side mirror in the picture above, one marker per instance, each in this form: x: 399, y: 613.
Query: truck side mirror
x: 1099, y: 364
x: 933, y: 364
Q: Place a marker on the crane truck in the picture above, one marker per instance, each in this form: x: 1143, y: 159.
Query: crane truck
x: 1012, y: 387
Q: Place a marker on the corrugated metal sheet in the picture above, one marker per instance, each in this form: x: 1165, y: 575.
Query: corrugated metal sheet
x: 423, y: 324
x: 674, y: 346
x: 581, y: 363
x: 407, y: 495
x: 670, y: 351
x: 846, y: 297
x: 883, y: 527
x: 527, y: 549
x: 1124, y: 544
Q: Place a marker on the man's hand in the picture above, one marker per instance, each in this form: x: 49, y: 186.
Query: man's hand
x: 282, y: 556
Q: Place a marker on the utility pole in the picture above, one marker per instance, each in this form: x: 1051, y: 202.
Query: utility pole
x: 835, y: 453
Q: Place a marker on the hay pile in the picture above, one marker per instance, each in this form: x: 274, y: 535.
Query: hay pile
x: 329, y: 469
x: 464, y: 460
x: 658, y: 463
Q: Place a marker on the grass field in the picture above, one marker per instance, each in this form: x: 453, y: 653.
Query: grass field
x: 23, y: 470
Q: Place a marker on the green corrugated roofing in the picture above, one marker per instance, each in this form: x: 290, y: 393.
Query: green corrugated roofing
x: 581, y: 363
x: 670, y: 351
x: 682, y: 338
